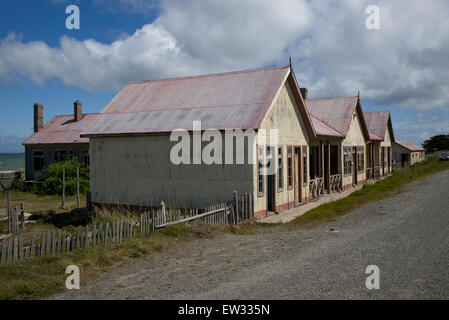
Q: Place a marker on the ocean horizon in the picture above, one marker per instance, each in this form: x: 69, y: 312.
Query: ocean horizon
x: 12, y: 161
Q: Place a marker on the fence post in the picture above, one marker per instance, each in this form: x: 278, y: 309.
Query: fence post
x: 63, y: 188
x: 8, y: 194
x: 77, y: 187
x: 22, y: 216
x: 236, y: 207
x: 163, y: 212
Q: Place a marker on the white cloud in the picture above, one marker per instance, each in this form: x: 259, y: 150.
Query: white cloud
x: 402, y: 64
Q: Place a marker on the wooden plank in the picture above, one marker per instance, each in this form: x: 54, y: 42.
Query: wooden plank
x: 16, y: 249
x: 3, y: 257
x: 22, y: 216
x: 20, y: 248
x: 86, y: 235
x: 53, y: 243
x: 42, y: 246
x: 48, y: 246
x: 9, y: 251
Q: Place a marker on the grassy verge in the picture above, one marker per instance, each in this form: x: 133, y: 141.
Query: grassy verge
x: 370, y: 192
x: 37, y: 278
x: 41, y: 277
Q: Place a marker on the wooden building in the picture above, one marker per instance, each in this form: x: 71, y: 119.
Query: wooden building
x: 130, y: 141
x: 58, y: 140
x: 379, y: 149
x: 406, y: 153
x: 337, y: 152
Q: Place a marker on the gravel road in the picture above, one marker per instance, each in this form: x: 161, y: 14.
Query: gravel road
x: 405, y: 235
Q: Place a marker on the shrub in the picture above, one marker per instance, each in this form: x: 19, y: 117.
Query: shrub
x: 53, y: 178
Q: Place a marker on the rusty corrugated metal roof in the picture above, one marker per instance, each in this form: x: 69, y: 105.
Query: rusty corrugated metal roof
x: 62, y: 130
x: 232, y: 100
x: 323, y: 129
x: 336, y: 113
x: 377, y: 122
x: 409, y: 146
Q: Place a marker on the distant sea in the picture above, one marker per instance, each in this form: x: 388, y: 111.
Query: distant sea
x: 12, y: 161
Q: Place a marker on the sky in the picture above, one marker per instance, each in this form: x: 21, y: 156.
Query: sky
x: 401, y: 67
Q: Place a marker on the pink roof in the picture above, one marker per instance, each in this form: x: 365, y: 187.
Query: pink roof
x: 323, y: 129
x: 221, y: 101
x: 410, y: 146
x: 377, y: 122
x: 62, y: 130
x: 336, y: 113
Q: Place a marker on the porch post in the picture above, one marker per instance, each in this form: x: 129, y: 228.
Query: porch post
x: 322, y: 159
x: 328, y: 167
x: 372, y: 159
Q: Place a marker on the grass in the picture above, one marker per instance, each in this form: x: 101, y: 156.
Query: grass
x: 37, y: 204
x: 41, y: 277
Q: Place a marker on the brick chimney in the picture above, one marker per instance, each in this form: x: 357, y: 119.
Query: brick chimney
x: 38, y: 117
x: 77, y: 106
x: 304, y: 93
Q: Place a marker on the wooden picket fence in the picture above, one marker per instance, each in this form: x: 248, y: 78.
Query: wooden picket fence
x: 16, y: 219
x: 53, y: 243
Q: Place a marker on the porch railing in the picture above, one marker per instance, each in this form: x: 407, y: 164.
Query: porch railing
x: 377, y: 172
x: 316, y: 187
x: 335, y: 183
x: 369, y: 173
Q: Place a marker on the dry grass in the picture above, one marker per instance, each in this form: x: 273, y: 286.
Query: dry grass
x: 36, y: 204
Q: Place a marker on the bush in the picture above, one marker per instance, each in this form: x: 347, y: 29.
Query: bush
x: 53, y: 178
x: 18, y: 184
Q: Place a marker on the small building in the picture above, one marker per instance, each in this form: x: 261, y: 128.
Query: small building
x: 131, y: 145
x: 337, y: 156
x: 379, y: 149
x: 407, y: 153
x: 58, y: 140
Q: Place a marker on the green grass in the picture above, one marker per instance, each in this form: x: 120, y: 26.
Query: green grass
x: 370, y: 192
x: 41, y: 277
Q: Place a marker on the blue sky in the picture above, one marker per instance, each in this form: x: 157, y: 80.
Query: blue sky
x: 399, y: 67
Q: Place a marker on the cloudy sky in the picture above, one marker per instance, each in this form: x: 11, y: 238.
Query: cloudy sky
x: 401, y: 67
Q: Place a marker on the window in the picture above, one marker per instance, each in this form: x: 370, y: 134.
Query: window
x: 62, y: 155
x: 304, y: 162
x: 38, y: 160
x: 70, y: 154
x: 280, y: 169
x: 86, y: 158
x: 260, y: 171
x: 360, y: 159
x: 289, y: 167
x: 347, y: 160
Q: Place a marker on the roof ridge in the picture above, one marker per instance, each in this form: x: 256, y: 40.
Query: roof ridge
x: 211, y: 74
x: 328, y: 98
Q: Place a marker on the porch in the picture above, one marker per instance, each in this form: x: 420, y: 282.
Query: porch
x: 325, y: 169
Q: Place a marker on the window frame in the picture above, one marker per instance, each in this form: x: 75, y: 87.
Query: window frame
x: 290, y: 173
x: 280, y: 171
x: 42, y: 157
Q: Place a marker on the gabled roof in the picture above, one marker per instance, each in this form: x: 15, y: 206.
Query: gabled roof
x: 377, y: 122
x: 336, y: 113
x: 232, y: 100
x: 323, y: 129
x: 409, y: 146
x: 62, y: 130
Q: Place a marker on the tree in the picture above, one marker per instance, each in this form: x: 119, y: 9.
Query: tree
x: 437, y: 143
x: 53, y: 178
